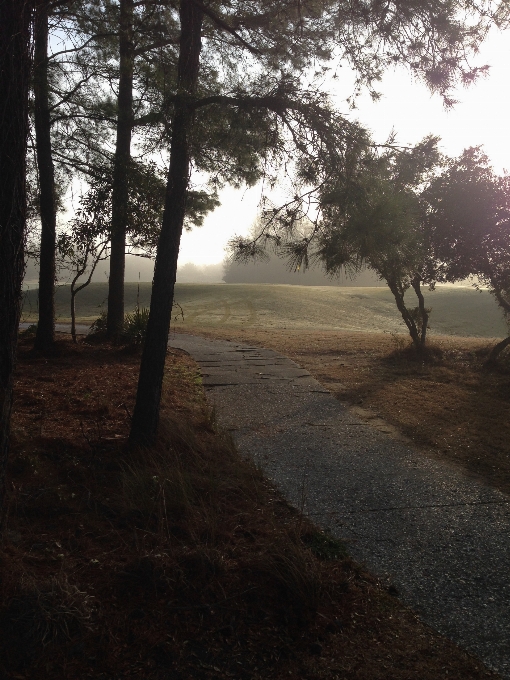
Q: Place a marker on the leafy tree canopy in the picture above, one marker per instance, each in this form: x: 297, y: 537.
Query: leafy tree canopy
x: 469, y: 218
x: 469, y: 222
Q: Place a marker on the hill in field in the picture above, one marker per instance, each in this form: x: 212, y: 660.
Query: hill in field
x: 460, y: 311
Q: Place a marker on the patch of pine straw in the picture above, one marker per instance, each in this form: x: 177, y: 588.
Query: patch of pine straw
x: 449, y: 406
x: 176, y: 562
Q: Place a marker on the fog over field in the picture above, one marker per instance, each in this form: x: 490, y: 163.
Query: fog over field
x: 272, y: 270
x: 461, y: 311
x: 137, y: 269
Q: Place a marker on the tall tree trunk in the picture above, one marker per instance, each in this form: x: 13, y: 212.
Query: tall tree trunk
x: 496, y: 351
x: 408, y: 320
x: 146, y: 412
x: 45, y: 335
x: 502, y: 298
x: 416, y: 283
x: 73, y: 313
x: 120, y: 189
x: 15, y: 61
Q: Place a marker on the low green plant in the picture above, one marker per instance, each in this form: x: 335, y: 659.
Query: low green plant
x: 400, y: 341
x: 324, y: 546
x: 31, y: 330
x: 160, y: 489
x: 99, y: 325
x: 135, y: 326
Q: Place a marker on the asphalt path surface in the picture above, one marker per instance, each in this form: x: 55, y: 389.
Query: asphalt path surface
x: 440, y: 538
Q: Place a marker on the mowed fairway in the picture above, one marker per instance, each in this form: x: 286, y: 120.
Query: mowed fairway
x: 460, y: 311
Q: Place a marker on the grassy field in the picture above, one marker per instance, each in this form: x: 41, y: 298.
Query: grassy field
x: 460, y: 311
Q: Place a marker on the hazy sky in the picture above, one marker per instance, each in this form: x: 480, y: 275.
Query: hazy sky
x: 480, y: 117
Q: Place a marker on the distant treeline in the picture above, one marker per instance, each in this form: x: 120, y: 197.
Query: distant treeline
x: 274, y: 270
x: 137, y: 269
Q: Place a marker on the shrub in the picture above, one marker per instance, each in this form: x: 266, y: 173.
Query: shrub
x: 98, y: 327
x: 54, y: 612
x: 31, y: 330
x: 134, y: 328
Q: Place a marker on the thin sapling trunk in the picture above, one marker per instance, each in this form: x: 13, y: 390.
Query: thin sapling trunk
x: 80, y: 270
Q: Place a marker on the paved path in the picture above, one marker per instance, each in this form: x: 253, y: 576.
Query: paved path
x: 81, y: 329
x: 440, y: 538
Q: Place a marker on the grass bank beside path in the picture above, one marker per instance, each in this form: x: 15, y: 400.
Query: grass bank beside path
x: 450, y: 406
x: 180, y: 561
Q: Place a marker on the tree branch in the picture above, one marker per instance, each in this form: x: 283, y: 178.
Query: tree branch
x: 72, y: 116
x: 271, y: 102
x: 81, y: 47
x: 154, y: 45
x: 69, y: 94
x: 223, y: 24
x: 152, y: 117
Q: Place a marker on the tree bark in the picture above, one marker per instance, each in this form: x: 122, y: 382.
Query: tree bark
x: 408, y: 320
x: 496, y: 351
x: 120, y: 188
x: 500, y: 296
x: 73, y: 314
x: 146, y: 413
x: 15, y: 62
x: 45, y: 335
x: 423, y: 311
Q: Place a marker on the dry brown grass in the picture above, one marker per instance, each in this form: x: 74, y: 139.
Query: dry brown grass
x: 176, y: 562
x: 448, y: 405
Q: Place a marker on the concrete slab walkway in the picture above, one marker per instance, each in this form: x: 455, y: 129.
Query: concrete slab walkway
x: 440, y: 538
